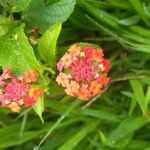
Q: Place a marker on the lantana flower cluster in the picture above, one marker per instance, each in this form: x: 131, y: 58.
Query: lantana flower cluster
x: 83, y: 71
x: 18, y: 92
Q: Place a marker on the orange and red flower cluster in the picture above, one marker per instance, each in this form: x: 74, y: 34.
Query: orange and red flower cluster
x: 83, y: 71
x: 18, y: 92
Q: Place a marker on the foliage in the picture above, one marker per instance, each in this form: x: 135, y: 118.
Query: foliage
x: 34, y: 34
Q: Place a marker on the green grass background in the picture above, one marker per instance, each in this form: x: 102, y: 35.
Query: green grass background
x: 119, y: 119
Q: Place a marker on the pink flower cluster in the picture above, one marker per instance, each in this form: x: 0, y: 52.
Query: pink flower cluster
x: 17, y: 92
x: 83, y: 71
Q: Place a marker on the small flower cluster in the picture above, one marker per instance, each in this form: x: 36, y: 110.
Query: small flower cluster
x: 83, y: 71
x: 18, y: 92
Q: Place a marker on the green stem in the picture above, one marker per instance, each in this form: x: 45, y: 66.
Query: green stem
x: 69, y: 110
x: 129, y: 78
x: 23, y: 124
x: 50, y: 70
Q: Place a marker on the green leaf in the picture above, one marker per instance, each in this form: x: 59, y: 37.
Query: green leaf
x: 139, y: 145
x: 108, y: 142
x: 133, y: 104
x: 79, y: 20
x: 81, y: 133
x: 41, y: 15
x: 39, y: 108
x: 99, y: 14
x: 55, y: 90
x: 105, y: 140
x: 17, y: 53
x: 147, y: 96
x: 130, y: 20
x: 127, y: 127
x: 141, y: 31
x: 125, y: 5
x: 5, y: 25
x: 7, y: 3
x: 101, y: 114
x: 139, y: 95
x: 20, y: 5
x: 140, y: 8
x: 17, y: 140
x: 47, y: 44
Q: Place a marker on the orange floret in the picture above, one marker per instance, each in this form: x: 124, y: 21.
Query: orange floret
x: 67, y: 59
x: 95, y: 88
x: 72, y: 88
x: 98, y: 55
x: 103, y: 79
x: 84, y: 93
x: 31, y: 76
x: 35, y: 92
x: 62, y: 79
x: 14, y: 107
x: 75, y: 50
